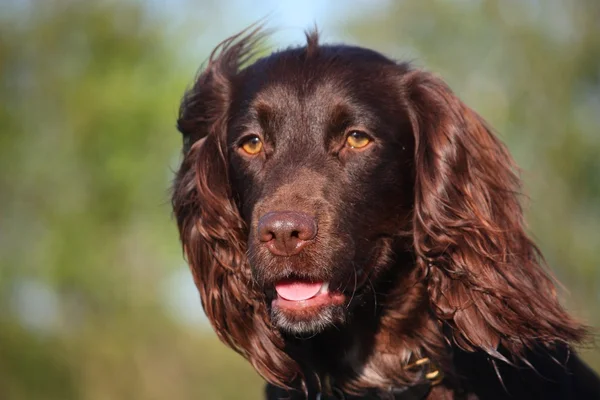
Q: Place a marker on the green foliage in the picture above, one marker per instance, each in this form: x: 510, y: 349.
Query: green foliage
x: 88, y: 106
x: 88, y: 99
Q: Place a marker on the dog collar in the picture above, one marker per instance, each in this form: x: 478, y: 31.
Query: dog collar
x: 431, y: 375
x: 417, y: 392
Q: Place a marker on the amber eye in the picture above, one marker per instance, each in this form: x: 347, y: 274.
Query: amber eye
x: 252, y: 145
x: 358, y: 139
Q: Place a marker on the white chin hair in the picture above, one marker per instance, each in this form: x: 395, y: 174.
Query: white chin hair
x: 327, y: 317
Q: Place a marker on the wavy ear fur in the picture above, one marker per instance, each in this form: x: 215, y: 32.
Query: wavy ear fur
x: 485, y: 275
x: 212, y: 232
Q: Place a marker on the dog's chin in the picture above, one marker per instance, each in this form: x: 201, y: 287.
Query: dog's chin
x: 309, y: 317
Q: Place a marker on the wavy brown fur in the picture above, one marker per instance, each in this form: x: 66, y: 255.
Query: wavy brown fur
x: 486, y: 275
x: 212, y: 232
x: 477, y: 279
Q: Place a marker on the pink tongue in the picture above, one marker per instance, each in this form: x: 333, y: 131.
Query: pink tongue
x: 296, y: 291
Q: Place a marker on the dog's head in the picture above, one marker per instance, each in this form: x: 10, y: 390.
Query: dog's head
x: 320, y: 159
x: 309, y: 171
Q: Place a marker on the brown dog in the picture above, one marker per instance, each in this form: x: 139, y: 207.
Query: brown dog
x: 355, y: 231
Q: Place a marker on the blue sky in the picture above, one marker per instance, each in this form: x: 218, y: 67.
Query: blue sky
x: 288, y: 18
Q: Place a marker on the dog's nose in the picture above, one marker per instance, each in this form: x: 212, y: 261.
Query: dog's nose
x: 286, y: 232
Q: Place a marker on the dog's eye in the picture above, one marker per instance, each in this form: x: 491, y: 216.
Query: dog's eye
x: 358, y: 139
x: 252, y: 145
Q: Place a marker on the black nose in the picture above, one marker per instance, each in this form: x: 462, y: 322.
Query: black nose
x: 286, y: 232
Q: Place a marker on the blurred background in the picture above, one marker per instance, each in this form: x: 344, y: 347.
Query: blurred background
x: 96, y: 301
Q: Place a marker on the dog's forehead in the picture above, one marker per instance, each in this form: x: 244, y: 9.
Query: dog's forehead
x: 319, y: 96
x: 334, y: 75
x: 297, y: 97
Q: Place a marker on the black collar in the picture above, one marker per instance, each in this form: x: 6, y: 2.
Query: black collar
x: 430, y: 375
x: 416, y: 392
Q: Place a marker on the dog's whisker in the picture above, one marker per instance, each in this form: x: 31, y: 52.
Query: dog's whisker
x: 374, y: 294
x: 354, y: 289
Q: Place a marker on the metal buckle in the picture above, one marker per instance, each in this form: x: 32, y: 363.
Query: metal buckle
x: 432, y: 372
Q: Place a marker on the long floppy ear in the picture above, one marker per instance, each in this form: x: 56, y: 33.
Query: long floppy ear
x: 211, y: 229
x: 485, y: 275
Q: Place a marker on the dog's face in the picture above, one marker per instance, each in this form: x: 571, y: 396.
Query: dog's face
x: 320, y: 172
x: 320, y: 156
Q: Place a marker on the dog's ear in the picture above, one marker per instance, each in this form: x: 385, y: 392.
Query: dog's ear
x: 485, y: 275
x: 205, y: 105
x: 212, y: 232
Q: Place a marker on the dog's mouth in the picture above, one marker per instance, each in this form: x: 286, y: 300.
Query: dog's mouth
x: 298, y: 294
x: 305, y: 306
x: 307, y: 302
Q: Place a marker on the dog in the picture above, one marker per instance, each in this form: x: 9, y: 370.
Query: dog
x: 355, y: 231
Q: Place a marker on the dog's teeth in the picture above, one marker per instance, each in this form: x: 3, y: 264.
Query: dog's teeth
x: 325, y: 287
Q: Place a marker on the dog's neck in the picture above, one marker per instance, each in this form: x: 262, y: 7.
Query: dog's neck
x: 378, y: 342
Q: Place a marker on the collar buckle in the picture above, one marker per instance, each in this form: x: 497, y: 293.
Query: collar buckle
x: 431, y: 371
